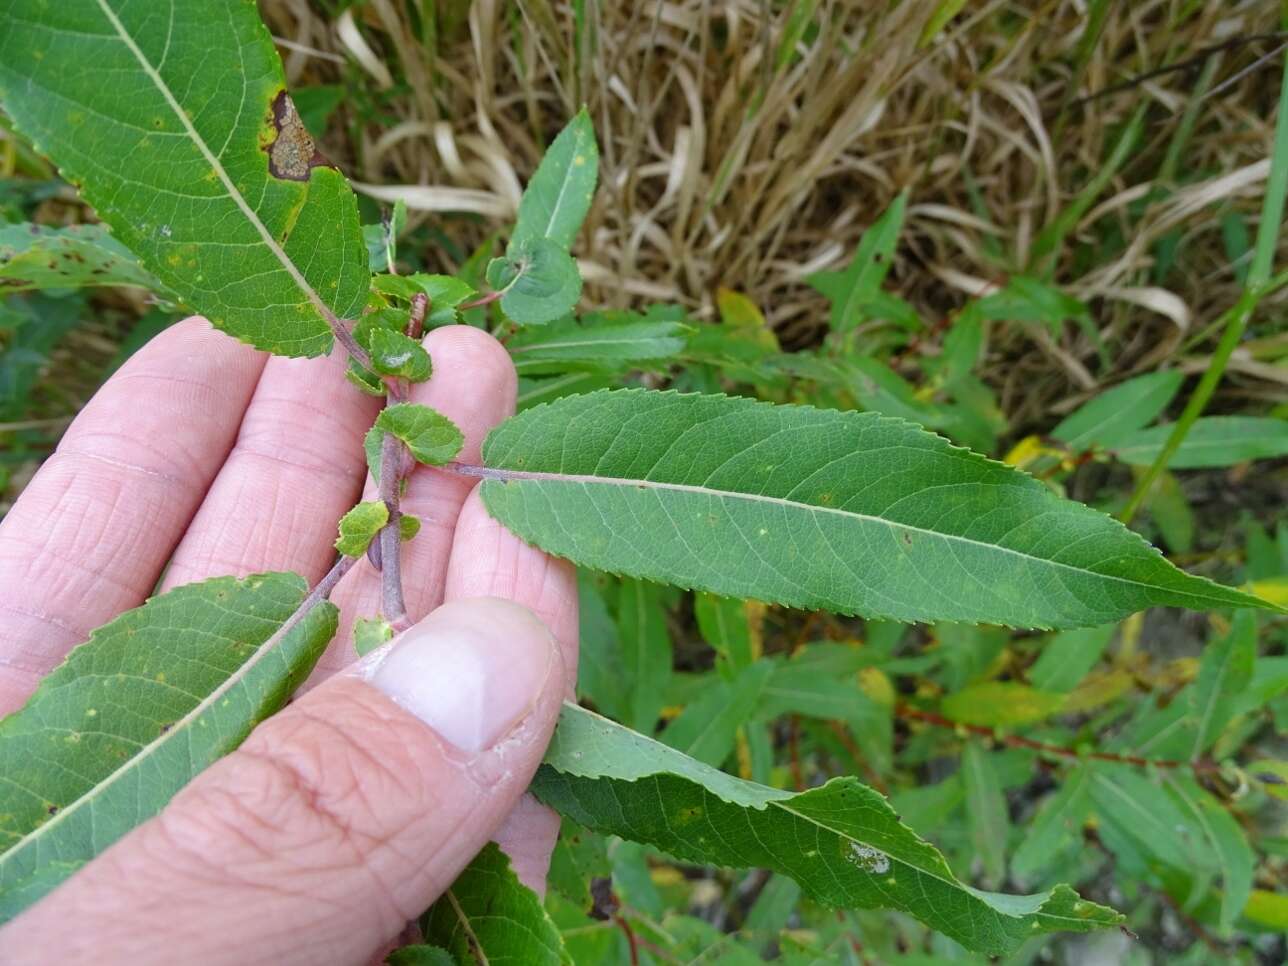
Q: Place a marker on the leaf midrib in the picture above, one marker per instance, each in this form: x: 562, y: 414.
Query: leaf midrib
x: 216, y: 165
x: 506, y: 475
x: 179, y: 727
x: 563, y: 188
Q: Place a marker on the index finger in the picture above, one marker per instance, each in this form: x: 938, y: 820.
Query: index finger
x: 90, y: 534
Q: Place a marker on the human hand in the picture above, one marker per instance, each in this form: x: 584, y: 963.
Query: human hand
x: 348, y: 813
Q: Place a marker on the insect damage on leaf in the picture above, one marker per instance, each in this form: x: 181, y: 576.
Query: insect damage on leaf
x: 292, y: 155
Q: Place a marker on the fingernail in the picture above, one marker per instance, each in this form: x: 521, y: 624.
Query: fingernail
x: 472, y: 670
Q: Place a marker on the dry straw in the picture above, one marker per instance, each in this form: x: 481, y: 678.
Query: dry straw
x: 748, y: 143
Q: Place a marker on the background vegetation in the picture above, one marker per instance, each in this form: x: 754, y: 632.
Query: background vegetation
x: 1071, y: 195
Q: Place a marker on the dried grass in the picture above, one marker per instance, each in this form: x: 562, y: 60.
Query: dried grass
x: 740, y: 149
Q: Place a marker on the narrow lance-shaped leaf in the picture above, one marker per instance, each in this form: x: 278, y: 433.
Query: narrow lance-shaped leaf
x: 206, y: 174
x: 489, y: 918
x: 985, y: 811
x: 601, y: 340
x: 850, y: 512
x: 1113, y: 416
x: 134, y: 713
x: 851, y: 289
x: 556, y: 200
x: 1224, y: 675
x: 646, y: 651
x: 1057, y: 825
x: 842, y: 842
x: 1212, y: 441
x: 1228, y: 841
x: 38, y: 257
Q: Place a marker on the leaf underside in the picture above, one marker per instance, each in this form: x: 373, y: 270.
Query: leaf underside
x: 819, y: 509
x: 134, y: 713
x: 207, y: 175
x: 489, y: 916
x: 842, y: 842
x: 39, y: 257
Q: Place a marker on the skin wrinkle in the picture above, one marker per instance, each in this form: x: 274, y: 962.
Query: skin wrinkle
x: 307, y: 908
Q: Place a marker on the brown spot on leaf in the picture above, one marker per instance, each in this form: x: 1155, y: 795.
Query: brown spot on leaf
x: 292, y: 155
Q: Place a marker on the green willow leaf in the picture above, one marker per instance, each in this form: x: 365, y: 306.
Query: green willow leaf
x: 1056, y: 827
x: 134, y: 713
x: 842, y: 842
x: 556, y: 200
x: 1228, y: 841
x: 1224, y: 676
x: 844, y: 511
x: 540, y: 281
x: 707, y: 729
x: 858, y: 285
x: 598, y: 341
x: 1113, y: 416
x: 37, y: 257
x: 1213, y: 441
x: 646, y: 652
x: 1067, y: 657
x: 207, y: 174
x: 488, y: 917
x: 986, y: 815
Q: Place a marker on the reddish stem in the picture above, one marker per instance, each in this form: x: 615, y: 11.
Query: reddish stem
x: 416, y: 320
x: 481, y: 300
x: 1015, y: 741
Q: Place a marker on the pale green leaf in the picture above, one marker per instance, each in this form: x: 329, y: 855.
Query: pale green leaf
x: 1003, y: 704
x: 1171, y: 513
x: 359, y: 527
x: 173, y: 120
x: 1228, y: 841
x: 1056, y: 827
x: 1132, y: 808
x: 408, y: 526
x: 1213, y: 441
x: 134, y: 713
x: 849, y: 512
x: 646, y: 651
x: 842, y: 842
x: 38, y: 257
x: 856, y: 286
x: 556, y: 200
x: 1224, y: 674
x: 1268, y: 909
x: 432, y: 438
x: 1025, y: 299
x: 613, y: 341
x: 382, y: 239
x: 1068, y: 656
x: 539, y: 280
x: 724, y: 624
x: 707, y: 729
x: 985, y: 812
x: 601, y: 669
x: 1113, y: 416
x: 534, y: 392
x: 370, y: 633
x: 489, y: 918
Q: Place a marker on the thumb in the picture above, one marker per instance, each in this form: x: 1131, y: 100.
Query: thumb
x: 337, y: 820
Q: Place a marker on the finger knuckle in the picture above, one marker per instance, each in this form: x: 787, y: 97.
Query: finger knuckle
x: 308, y: 786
